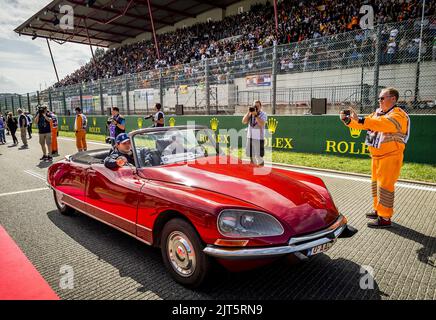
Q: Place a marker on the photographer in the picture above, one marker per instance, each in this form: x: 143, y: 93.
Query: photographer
x: 117, y: 125
x: 388, y: 130
x: 256, y: 119
x: 43, y: 120
x: 158, y: 118
x: 122, y: 153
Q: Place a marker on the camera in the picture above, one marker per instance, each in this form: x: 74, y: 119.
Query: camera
x: 109, y: 121
x: 347, y: 112
x: 108, y: 140
x: 252, y: 109
x: 41, y: 110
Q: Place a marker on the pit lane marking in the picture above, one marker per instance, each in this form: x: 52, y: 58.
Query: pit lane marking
x: 36, y: 175
x: 22, y: 191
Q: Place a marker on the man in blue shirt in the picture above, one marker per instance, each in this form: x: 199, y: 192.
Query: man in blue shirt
x: 117, y: 124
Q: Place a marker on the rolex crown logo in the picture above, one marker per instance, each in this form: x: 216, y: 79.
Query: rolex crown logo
x: 139, y: 121
x: 94, y: 122
x: 355, y: 133
x: 214, y: 124
x: 272, y: 125
x: 172, y: 122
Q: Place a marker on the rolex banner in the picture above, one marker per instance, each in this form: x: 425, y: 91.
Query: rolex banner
x: 310, y: 134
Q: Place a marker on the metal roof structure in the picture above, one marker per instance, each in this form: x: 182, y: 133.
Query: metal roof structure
x: 105, y: 23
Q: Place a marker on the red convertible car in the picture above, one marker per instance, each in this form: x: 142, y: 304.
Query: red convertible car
x: 200, y: 205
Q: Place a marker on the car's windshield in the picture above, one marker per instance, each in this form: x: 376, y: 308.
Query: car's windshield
x: 174, y: 145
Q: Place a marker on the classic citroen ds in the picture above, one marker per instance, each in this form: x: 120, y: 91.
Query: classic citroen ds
x: 199, y: 205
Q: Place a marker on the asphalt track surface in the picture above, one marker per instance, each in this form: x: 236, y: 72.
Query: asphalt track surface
x: 108, y: 264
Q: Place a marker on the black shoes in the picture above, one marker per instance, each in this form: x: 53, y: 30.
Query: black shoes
x: 380, y: 223
x: 46, y: 158
x: 372, y: 215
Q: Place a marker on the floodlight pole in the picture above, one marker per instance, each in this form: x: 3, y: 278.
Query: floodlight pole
x: 89, y: 41
x: 52, y: 60
x: 154, y: 31
x: 276, y: 19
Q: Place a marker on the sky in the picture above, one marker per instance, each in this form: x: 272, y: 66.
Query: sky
x: 25, y: 65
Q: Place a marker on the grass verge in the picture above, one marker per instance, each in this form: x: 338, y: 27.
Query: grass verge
x: 89, y: 136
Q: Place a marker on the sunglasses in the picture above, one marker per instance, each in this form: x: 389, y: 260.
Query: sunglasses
x: 382, y: 98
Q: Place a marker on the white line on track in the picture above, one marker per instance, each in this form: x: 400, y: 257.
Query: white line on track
x: 344, y: 177
x: 23, y: 191
x: 36, y: 175
x: 89, y: 142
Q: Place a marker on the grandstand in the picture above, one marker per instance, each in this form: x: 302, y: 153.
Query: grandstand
x: 218, y: 56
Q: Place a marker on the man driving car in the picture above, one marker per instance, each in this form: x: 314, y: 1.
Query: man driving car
x: 122, y: 154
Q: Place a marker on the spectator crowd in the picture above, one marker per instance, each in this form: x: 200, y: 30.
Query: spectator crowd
x: 247, y: 36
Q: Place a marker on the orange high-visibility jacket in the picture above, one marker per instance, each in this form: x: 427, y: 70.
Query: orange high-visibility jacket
x: 387, y: 132
x: 80, y: 123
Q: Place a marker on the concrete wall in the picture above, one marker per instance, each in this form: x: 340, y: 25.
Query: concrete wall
x: 340, y: 87
x: 400, y: 76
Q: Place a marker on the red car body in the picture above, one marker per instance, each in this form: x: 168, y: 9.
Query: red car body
x: 141, y: 201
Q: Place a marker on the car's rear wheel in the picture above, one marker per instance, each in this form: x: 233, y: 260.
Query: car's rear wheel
x: 62, y: 207
x: 182, y: 252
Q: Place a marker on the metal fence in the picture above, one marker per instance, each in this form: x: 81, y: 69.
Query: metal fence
x: 346, y: 69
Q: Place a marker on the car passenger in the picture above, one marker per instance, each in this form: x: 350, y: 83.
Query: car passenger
x: 121, y: 154
x: 176, y: 145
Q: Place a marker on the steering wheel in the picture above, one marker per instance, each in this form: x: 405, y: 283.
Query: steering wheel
x: 198, y: 150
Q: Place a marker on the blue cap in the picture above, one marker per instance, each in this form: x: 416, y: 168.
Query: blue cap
x: 122, y: 137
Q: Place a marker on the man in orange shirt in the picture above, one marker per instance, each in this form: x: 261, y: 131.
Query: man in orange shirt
x: 80, y: 128
x: 388, y: 130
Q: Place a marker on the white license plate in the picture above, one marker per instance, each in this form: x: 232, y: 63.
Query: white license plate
x: 321, y: 248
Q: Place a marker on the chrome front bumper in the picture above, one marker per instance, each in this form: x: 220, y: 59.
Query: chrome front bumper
x: 296, y: 244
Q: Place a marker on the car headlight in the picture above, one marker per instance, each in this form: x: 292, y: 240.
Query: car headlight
x: 246, y: 223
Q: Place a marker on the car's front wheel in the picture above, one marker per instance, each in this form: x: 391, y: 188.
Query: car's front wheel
x: 182, y: 252
x: 62, y: 207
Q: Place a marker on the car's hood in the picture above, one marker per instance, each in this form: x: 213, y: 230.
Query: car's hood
x: 289, y: 198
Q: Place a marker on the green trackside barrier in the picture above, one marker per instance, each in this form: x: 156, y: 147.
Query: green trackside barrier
x: 312, y: 134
